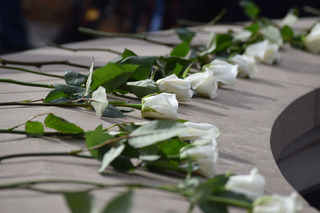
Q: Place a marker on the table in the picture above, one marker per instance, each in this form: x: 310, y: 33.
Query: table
x: 258, y: 120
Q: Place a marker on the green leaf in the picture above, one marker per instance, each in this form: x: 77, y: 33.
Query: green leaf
x: 80, y: 202
x: 164, y: 165
x: 250, y: 8
x: 171, y: 147
x: 112, y: 112
x: 120, y: 204
x: 122, y: 164
x: 287, y: 33
x: 142, y: 88
x: 186, y: 70
x: 206, y: 193
x: 254, y: 28
x: 181, y: 50
x: 129, y: 151
x: 177, y: 70
x: 184, y: 34
x: 148, y: 150
x: 61, y: 125
x: 169, y: 63
x: 130, y: 127
x: 298, y: 41
x: 34, y: 129
x: 68, y: 89
x: 99, y: 128
x: 127, y: 53
x: 204, y: 190
x: 94, y: 138
x: 109, y: 156
x: 57, y: 95
x: 211, y: 206
x: 145, y: 65
x: 217, y: 183
x: 75, y: 78
x: 155, y: 131
x: 201, y: 193
x: 223, y: 41
x: 111, y: 76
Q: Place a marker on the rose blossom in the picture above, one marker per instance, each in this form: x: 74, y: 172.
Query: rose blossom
x: 264, y: 52
x: 247, y: 66
x: 199, y: 133
x: 204, y: 83
x: 252, y: 185
x: 162, y: 106
x: 224, y: 72
x: 312, y: 41
x: 241, y: 36
x: 99, y: 100
x: 277, y: 204
x: 178, y: 86
x: 206, y: 156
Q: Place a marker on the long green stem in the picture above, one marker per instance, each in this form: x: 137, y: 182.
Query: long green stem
x: 23, y: 184
x: 26, y: 83
x: 201, y: 24
x: 40, y: 64
x: 122, y: 104
x: 230, y: 201
x: 43, y: 154
x: 218, y: 17
x: 74, y: 153
x: 33, y: 182
x: 83, y: 49
x: 166, y: 188
x: 116, y: 104
x: 48, y: 134
x: 31, y: 71
x: 45, y: 104
x: 16, y: 126
x: 122, y: 35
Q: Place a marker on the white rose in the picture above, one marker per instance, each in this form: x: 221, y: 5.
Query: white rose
x: 289, y: 20
x: 247, y: 66
x: 264, y: 52
x: 312, y: 41
x: 224, y: 72
x: 272, y: 34
x: 162, y: 106
x: 204, y: 83
x: 99, y: 101
x: 241, y: 36
x: 207, y: 158
x: 277, y: 204
x: 252, y: 185
x: 178, y: 86
x: 199, y: 133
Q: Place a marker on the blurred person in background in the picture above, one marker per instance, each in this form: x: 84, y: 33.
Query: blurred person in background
x: 126, y: 16
x: 13, y: 32
x: 137, y: 16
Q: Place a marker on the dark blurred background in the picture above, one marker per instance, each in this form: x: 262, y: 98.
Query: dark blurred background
x: 27, y: 24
